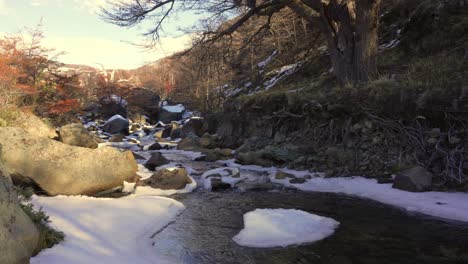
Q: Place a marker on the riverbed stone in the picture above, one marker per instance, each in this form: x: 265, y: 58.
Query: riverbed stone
x: 416, y: 179
x: 156, y: 160
x: 168, y: 179
x: 77, y: 135
x: 297, y: 181
x: 281, y: 175
x: 117, y: 125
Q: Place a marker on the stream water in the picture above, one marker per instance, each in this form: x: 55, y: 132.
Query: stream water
x: 370, y: 232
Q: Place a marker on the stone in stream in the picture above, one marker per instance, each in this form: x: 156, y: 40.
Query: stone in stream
x: 168, y: 179
x: 113, y: 105
x: 164, y: 133
x: 194, y: 126
x: 297, y: 180
x: 116, y: 138
x: 77, y: 135
x: 218, y: 185
x: 116, y: 125
x: 171, y: 113
x: 281, y: 175
x: 19, y: 237
x: 416, y: 179
x: 155, y: 146
x: 138, y: 156
x: 156, y: 160
x: 58, y: 168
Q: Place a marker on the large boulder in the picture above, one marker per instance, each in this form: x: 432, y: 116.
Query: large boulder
x: 31, y: 123
x: 116, y: 125
x: 77, y: 135
x: 58, y: 168
x: 156, y: 160
x: 416, y: 179
x: 168, y: 179
x: 19, y: 236
x: 113, y: 105
x: 194, y: 125
x: 171, y: 113
x: 144, y: 101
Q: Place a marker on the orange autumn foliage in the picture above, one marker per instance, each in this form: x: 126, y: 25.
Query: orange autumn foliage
x: 64, y: 106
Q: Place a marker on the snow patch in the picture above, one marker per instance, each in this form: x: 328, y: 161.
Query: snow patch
x: 174, y: 108
x: 104, y: 230
x: 283, y: 227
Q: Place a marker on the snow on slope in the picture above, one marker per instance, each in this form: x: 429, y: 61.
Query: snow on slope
x: 283, y: 227
x: 103, y: 230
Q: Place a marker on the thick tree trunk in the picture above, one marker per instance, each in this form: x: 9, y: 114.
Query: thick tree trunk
x: 350, y: 27
x: 351, y: 32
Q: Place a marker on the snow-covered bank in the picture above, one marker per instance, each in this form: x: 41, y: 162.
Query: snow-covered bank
x: 452, y: 206
x: 103, y: 230
x: 439, y: 204
x: 283, y: 227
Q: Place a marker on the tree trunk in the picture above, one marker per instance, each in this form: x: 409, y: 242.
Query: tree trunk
x: 351, y: 32
x: 350, y: 28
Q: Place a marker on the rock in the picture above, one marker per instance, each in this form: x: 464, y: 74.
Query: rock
x: 218, y: 185
x: 193, y: 125
x: 254, y: 157
x: 116, y: 125
x: 138, y: 118
x: 92, y: 128
x: 19, y: 236
x: 255, y: 186
x: 155, y: 146
x: 168, y: 179
x: 165, y: 133
x: 168, y: 114
x: 58, y: 168
x: 416, y: 179
x: 281, y: 175
x: 176, y: 130
x: 216, y: 154
x: 189, y: 144
x: 77, y: 135
x: 205, y: 141
x: 156, y: 160
x: 116, y: 138
x: 138, y: 156
x: 132, y: 140
x: 32, y: 124
x: 297, y: 180
x: 135, y: 127
x: 144, y: 101
x: 113, y: 105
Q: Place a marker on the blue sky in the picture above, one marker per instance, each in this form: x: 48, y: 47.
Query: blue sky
x: 74, y: 27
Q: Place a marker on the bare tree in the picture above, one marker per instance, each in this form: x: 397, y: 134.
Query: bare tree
x: 350, y: 26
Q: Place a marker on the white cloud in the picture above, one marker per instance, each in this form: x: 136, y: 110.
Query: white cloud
x: 112, y: 54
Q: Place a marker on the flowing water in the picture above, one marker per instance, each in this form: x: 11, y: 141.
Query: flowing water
x: 369, y: 232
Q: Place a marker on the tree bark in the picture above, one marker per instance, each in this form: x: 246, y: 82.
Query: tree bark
x: 350, y: 28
